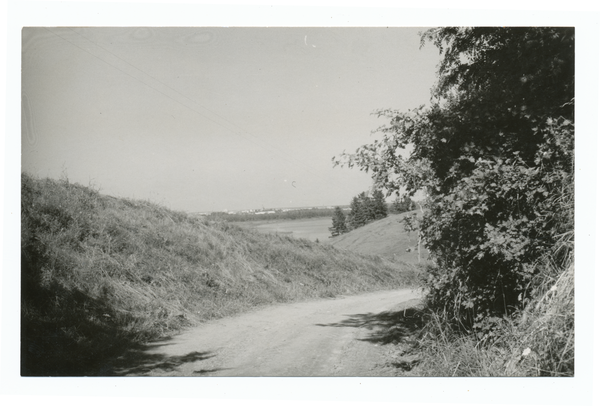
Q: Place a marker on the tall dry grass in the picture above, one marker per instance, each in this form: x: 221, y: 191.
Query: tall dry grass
x: 101, y: 274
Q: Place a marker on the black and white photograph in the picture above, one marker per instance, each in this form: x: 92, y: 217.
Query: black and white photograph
x: 394, y: 204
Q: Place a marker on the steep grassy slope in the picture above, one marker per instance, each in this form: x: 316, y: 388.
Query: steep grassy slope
x: 100, y: 274
x: 385, y: 237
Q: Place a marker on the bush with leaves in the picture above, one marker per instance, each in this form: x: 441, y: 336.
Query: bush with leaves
x: 494, y: 154
x: 380, y: 209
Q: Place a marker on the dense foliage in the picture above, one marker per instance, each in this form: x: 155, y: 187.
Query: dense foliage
x: 494, y: 153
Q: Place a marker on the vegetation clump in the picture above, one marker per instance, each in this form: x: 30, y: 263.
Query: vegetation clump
x: 339, y: 222
x: 364, y: 209
x: 101, y: 275
x: 494, y: 154
x: 402, y: 205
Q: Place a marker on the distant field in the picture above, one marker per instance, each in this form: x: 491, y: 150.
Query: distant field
x: 385, y: 237
x: 310, y: 229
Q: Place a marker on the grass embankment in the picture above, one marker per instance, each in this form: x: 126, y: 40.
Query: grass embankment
x: 100, y: 275
x: 386, y: 237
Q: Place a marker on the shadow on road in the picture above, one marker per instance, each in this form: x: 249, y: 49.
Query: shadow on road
x: 139, y: 362
x: 396, y: 327
x: 389, y: 327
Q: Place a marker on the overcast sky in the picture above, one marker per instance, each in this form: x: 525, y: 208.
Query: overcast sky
x: 204, y: 119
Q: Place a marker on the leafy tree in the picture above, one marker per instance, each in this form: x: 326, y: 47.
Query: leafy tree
x: 364, y: 209
x: 494, y: 153
x: 339, y: 222
x: 401, y: 206
x: 380, y: 209
x: 357, y: 217
x: 411, y: 224
x: 367, y: 207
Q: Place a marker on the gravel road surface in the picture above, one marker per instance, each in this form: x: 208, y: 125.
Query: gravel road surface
x: 328, y: 337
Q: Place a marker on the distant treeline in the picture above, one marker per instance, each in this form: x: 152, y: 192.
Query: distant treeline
x: 278, y: 214
x: 398, y: 206
x: 365, y: 209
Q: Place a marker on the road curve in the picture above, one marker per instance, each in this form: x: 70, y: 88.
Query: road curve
x: 330, y: 337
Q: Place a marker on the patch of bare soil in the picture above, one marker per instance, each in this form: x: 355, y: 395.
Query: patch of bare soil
x: 348, y: 336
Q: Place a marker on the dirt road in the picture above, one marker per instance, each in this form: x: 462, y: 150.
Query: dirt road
x: 335, y: 337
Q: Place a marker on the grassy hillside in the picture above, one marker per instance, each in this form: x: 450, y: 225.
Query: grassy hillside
x: 385, y: 237
x: 100, y: 274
